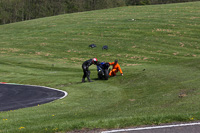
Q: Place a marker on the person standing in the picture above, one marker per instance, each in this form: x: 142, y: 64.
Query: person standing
x: 115, y: 69
x: 85, y: 67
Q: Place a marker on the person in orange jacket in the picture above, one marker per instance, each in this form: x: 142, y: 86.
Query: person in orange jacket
x: 115, y: 69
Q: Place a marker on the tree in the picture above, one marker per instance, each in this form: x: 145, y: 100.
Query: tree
x: 20, y: 10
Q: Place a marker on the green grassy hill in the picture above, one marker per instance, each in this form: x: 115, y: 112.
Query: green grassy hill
x: 162, y: 39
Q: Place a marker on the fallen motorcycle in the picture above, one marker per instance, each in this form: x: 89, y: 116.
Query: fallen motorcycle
x: 103, y: 70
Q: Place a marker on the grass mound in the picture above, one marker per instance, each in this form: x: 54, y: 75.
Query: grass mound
x: 158, y: 52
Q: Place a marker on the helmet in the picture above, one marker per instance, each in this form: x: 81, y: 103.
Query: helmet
x: 94, y: 60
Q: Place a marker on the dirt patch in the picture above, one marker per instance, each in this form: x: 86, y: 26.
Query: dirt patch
x: 43, y: 44
x: 77, y: 59
x: 12, y: 50
x: 133, y: 64
x: 164, y: 30
x: 186, y: 92
x: 42, y: 53
x: 176, y: 53
x: 181, y: 44
x: 132, y: 100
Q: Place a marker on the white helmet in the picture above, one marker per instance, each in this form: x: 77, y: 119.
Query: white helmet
x: 94, y: 60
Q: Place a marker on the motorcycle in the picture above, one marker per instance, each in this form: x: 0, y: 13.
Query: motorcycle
x: 103, y: 70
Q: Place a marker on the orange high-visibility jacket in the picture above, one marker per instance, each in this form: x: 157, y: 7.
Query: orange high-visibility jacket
x: 116, y: 66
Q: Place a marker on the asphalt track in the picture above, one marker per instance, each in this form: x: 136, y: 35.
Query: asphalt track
x: 13, y: 96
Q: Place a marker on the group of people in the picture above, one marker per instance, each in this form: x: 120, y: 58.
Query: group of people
x: 88, y: 63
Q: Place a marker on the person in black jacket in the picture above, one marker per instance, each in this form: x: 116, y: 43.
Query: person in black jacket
x: 85, y: 67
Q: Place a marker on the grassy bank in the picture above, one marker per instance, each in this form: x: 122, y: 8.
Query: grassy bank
x: 158, y: 50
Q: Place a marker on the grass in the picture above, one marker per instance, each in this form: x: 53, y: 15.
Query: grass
x: 158, y: 52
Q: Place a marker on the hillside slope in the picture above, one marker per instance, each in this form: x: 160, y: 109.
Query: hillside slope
x: 157, y: 47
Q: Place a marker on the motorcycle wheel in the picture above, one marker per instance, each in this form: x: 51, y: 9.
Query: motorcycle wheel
x: 106, y: 74
x: 99, y: 76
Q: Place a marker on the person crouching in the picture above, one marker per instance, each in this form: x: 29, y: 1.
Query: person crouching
x: 115, y: 69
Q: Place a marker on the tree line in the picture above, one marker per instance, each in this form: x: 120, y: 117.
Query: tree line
x: 21, y: 10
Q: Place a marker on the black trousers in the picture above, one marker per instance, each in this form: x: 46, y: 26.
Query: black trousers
x: 86, y: 72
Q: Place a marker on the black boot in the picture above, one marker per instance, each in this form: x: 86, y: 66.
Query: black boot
x: 89, y: 79
x: 83, y: 80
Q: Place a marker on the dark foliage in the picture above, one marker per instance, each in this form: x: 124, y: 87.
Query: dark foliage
x: 20, y: 10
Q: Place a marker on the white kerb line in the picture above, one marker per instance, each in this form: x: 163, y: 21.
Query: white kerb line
x: 155, y: 127
x: 65, y: 93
